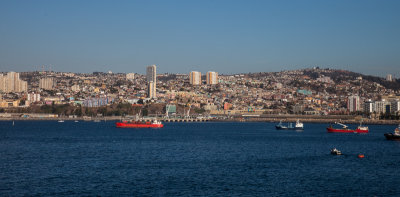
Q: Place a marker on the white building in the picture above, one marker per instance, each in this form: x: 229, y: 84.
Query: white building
x: 212, y: 78
x: 32, y: 97
x: 369, y: 106
x: 195, y: 78
x: 12, y: 83
x: 380, y: 106
x: 130, y: 76
x: 395, y: 106
x: 75, y: 88
x: 353, y: 103
x: 389, y: 77
x: 46, y: 83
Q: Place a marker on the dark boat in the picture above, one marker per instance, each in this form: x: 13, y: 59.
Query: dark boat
x: 394, y: 136
x: 336, y: 152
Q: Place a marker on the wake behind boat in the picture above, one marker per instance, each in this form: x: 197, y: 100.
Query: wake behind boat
x: 298, y: 126
x: 345, y: 129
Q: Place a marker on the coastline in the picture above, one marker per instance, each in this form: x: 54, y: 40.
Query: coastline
x: 271, y: 119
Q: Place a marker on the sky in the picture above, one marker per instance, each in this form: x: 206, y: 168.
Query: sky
x: 226, y: 36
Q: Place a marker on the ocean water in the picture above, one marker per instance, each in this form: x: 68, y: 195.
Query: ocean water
x: 47, y: 158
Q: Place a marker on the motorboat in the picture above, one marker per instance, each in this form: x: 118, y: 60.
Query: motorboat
x: 395, y: 135
x: 335, y: 151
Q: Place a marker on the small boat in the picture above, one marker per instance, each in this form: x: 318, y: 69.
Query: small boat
x: 394, y: 136
x: 60, y: 120
x: 76, y: 121
x: 335, y: 151
x: 139, y: 124
x: 298, y: 126
x: 345, y: 129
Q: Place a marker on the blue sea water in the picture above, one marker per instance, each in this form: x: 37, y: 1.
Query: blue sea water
x: 47, y: 158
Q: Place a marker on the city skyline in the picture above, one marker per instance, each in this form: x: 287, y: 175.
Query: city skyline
x: 226, y: 36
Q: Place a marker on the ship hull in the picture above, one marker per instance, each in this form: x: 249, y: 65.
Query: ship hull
x: 333, y: 130
x: 288, y: 128
x: 137, y: 125
x: 390, y: 136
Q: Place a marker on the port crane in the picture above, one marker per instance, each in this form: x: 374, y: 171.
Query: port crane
x: 343, y: 125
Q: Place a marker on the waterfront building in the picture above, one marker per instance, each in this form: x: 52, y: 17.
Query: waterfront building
x: 195, y: 78
x: 46, y: 83
x: 369, y: 106
x: 130, y: 76
x: 395, y: 106
x: 381, y: 106
x: 353, y: 103
x: 212, y: 78
x: 151, y: 76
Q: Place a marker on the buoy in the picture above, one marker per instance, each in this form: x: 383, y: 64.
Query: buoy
x: 361, y: 156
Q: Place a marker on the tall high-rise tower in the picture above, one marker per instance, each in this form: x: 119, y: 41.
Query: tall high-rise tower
x: 212, y: 78
x: 46, y: 83
x: 195, y: 78
x: 151, y: 76
x: 12, y: 83
x: 353, y: 103
x: 389, y: 77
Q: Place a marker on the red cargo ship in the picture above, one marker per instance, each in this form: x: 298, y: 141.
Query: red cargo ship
x: 139, y: 124
x: 345, y: 129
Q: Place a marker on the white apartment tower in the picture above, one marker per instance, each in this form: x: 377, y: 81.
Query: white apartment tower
x: 389, y: 77
x: 395, y: 106
x: 353, y: 103
x: 380, y: 106
x: 12, y: 83
x: 195, y: 78
x: 212, y: 78
x: 369, y: 106
x: 151, y: 76
x: 46, y: 83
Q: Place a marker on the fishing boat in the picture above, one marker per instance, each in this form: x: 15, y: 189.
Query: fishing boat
x: 395, y: 135
x: 335, y: 151
x: 298, y: 126
x: 345, y: 129
x: 139, y: 124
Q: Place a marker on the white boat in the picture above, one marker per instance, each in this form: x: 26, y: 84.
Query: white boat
x: 60, y: 120
x: 298, y: 126
x: 335, y: 151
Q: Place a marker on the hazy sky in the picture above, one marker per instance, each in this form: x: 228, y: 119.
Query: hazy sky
x: 180, y: 36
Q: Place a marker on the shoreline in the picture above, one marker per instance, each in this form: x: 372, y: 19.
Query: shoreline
x: 269, y: 120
